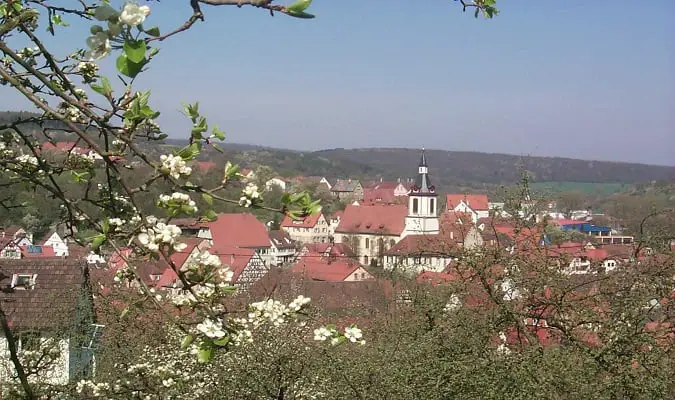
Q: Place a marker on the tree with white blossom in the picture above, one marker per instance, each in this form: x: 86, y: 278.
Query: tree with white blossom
x: 113, y: 121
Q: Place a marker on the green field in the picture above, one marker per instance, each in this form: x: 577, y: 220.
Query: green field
x: 584, y: 187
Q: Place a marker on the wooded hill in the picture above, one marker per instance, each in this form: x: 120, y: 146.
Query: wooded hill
x: 450, y: 170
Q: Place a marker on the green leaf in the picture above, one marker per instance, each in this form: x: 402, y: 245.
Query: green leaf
x: 96, y: 29
x: 187, y: 341
x: 301, y: 14
x: 210, y: 215
x: 299, y: 6
x: 128, y: 67
x: 205, y: 354
x: 97, y: 242
x: 207, y: 198
x: 189, y: 152
x: 124, y: 313
x: 220, y: 135
x: 154, y: 31
x: 153, y: 51
x: 222, y: 342
x: 135, y: 50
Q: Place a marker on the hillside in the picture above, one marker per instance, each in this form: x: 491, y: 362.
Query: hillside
x: 457, y: 168
x: 451, y: 170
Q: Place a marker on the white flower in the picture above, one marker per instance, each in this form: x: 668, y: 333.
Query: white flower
x: 179, y: 201
x: 244, y: 201
x: 174, y: 166
x: 211, y: 329
x: 133, y: 14
x: 99, y: 45
x: 298, y: 303
x: 251, y: 191
x: 322, y: 333
x: 353, y: 334
x: 116, y: 222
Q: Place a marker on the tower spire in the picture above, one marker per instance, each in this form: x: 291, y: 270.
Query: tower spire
x: 423, y: 184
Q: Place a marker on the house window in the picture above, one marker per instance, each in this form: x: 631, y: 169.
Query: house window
x: 23, y: 281
x: 416, y: 206
x: 418, y: 260
x: 367, y: 243
x: 365, y: 260
x: 432, y: 204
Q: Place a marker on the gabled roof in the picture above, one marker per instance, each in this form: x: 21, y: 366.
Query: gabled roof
x: 345, y: 185
x: 303, y: 222
x: 241, y: 230
x: 376, y: 219
x: 47, y: 237
x: 380, y: 195
x: 477, y: 202
x: 325, y: 269
x: 281, y: 240
x: 51, y: 303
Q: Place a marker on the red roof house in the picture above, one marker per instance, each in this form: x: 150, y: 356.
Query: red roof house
x: 378, y: 219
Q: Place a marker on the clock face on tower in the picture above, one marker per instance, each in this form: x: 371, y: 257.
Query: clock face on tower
x: 415, y: 224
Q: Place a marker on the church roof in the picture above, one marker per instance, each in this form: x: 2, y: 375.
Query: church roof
x: 423, y: 184
x: 376, y: 219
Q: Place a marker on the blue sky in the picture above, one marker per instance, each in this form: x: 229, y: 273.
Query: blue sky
x: 571, y: 78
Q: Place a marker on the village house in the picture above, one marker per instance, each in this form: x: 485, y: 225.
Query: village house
x: 9, y: 249
x: 20, y: 236
x: 41, y: 299
x: 281, y: 183
x: 233, y: 230
x: 371, y: 229
x: 283, y: 248
x: 347, y: 190
x: 246, y: 265
x: 309, y: 229
x: 247, y: 175
x: 386, y: 192
x: 475, y: 204
x: 53, y: 240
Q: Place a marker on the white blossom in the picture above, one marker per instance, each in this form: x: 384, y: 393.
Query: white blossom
x: 178, y: 200
x: 245, y: 201
x: 211, y: 329
x: 99, y: 45
x: 133, y: 14
x: 353, y: 334
x: 174, y: 166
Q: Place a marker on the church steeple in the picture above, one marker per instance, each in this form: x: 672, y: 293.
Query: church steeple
x: 422, y: 216
x: 423, y: 184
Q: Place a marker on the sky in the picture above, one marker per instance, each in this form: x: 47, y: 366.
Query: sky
x: 568, y: 78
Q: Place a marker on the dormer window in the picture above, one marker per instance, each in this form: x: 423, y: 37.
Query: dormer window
x: 23, y: 281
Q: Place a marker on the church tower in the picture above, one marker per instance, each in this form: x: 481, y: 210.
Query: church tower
x: 422, y: 216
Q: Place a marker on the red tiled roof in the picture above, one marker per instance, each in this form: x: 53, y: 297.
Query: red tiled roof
x: 455, y: 218
x: 325, y: 270
x: 475, y: 201
x: 377, y: 219
x: 305, y: 222
x: 242, y: 230
x: 65, y: 147
x: 46, y: 252
x: 205, y: 166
